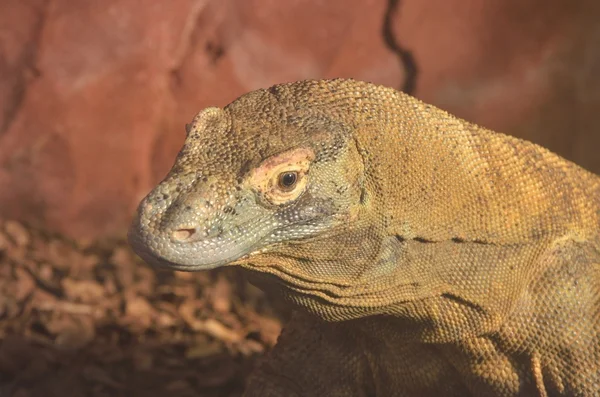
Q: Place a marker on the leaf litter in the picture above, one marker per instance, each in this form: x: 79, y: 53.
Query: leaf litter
x: 93, y: 320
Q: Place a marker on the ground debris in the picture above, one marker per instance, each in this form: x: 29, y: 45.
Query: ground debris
x: 93, y: 320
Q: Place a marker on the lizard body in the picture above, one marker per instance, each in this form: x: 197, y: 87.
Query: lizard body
x: 423, y: 255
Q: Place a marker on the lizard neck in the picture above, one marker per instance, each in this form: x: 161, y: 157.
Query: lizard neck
x: 440, y: 178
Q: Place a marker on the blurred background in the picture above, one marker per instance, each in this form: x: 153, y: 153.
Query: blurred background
x: 94, y: 97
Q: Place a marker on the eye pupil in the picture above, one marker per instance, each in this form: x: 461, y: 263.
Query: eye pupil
x: 288, y: 179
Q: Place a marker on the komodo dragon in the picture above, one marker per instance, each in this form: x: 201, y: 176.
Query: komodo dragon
x: 423, y: 255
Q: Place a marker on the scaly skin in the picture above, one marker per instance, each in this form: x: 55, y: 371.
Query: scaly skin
x: 423, y: 255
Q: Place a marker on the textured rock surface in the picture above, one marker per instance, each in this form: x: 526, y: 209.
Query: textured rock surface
x: 94, y: 95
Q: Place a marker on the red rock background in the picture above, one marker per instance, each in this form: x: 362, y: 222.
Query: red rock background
x: 94, y: 95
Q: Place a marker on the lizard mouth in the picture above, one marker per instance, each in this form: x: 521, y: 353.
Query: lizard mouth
x: 189, y: 249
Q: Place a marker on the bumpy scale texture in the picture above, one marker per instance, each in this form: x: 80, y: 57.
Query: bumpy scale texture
x: 423, y: 255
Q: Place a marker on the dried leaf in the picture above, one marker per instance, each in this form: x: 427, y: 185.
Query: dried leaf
x: 23, y: 285
x: 73, y: 332
x: 85, y: 291
x: 217, y: 330
x: 139, y: 311
x: 187, y: 311
x: 220, y: 295
x: 269, y: 329
x: 60, y: 254
x: 122, y: 257
x: 17, y: 233
x: 249, y: 347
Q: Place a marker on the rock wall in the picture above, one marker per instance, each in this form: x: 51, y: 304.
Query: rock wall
x: 94, y: 95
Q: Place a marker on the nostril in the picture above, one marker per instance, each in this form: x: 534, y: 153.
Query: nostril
x: 183, y: 234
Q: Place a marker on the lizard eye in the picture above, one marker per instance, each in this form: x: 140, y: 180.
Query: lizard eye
x: 287, y: 180
x: 282, y: 178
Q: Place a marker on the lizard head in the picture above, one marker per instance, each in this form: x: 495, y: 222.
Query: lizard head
x: 264, y: 173
x: 350, y: 199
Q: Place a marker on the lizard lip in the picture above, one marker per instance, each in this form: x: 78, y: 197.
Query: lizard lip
x: 190, y: 249
x: 159, y: 255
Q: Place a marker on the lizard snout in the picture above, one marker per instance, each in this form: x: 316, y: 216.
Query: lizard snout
x: 192, y: 217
